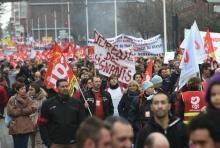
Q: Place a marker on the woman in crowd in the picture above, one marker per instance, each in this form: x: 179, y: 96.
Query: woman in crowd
x: 139, y: 112
x: 128, y: 97
x: 38, y: 95
x: 19, y: 108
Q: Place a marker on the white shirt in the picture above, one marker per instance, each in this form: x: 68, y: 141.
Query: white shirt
x: 116, y: 95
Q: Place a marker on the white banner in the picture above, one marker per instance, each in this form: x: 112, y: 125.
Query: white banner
x: 151, y: 46
x: 110, y: 60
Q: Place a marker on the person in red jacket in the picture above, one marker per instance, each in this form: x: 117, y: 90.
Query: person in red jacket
x: 192, y: 101
x: 3, y: 100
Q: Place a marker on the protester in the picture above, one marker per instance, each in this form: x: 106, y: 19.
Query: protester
x: 3, y: 100
x: 121, y: 132
x: 206, y: 73
x: 213, y: 94
x: 138, y: 78
x: 165, y: 75
x: 204, y: 131
x: 19, y: 108
x: 25, y: 73
x: 175, y: 74
x: 128, y: 97
x: 11, y: 75
x: 89, y: 84
x: 98, y: 100
x: 192, y: 101
x: 157, y: 82
x: 139, y: 112
x: 162, y: 122
x: 38, y: 95
x: 38, y: 78
x: 3, y: 81
x: 156, y: 140
x: 93, y: 133
x: 60, y: 118
x: 116, y: 92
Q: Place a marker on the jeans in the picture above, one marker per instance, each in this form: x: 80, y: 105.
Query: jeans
x: 20, y: 140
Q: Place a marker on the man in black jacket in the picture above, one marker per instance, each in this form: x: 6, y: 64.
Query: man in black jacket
x: 60, y: 118
x: 98, y: 100
x: 162, y: 122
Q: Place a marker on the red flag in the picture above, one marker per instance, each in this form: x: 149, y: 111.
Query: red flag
x: 91, y: 52
x: 148, y: 73
x: 209, y: 46
x: 65, y: 48
x: 58, y: 69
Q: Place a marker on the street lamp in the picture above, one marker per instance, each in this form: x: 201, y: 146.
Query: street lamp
x: 165, y: 25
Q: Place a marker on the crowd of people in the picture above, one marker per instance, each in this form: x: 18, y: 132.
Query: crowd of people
x: 105, y: 113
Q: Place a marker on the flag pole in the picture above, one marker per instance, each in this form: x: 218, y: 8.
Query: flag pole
x: 55, y: 25
x: 165, y: 25
x: 87, y: 22
x: 90, y: 113
x: 45, y: 17
x: 68, y: 7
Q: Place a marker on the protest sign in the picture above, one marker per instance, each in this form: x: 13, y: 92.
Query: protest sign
x: 168, y: 56
x: 139, y: 46
x: 110, y: 60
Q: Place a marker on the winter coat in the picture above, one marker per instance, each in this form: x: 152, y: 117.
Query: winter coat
x: 125, y: 103
x: 139, y: 112
x: 60, y: 119
x: 167, y: 85
x: 3, y: 97
x: 20, y: 110
x: 107, y: 103
x: 176, y: 133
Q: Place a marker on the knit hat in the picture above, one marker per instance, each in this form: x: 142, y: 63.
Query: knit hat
x: 146, y: 85
x: 156, y: 79
x: 212, y: 81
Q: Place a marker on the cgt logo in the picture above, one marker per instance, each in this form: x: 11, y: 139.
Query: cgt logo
x: 195, y: 102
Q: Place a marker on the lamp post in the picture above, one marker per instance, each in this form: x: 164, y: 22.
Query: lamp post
x: 116, y: 21
x: 68, y: 7
x: 87, y: 22
x: 165, y: 26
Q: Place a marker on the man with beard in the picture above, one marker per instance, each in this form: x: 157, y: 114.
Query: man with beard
x: 172, y: 128
x: 98, y: 100
x: 60, y: 118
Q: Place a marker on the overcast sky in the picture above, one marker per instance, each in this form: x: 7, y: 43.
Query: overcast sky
x: 7, y: 14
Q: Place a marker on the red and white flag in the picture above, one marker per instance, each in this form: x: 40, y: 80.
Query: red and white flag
x: 190, y: 61
x: 58, y: 68
x: 148, y: 73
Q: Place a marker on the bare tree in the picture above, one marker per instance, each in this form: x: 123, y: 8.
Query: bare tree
x: 147, y: 18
